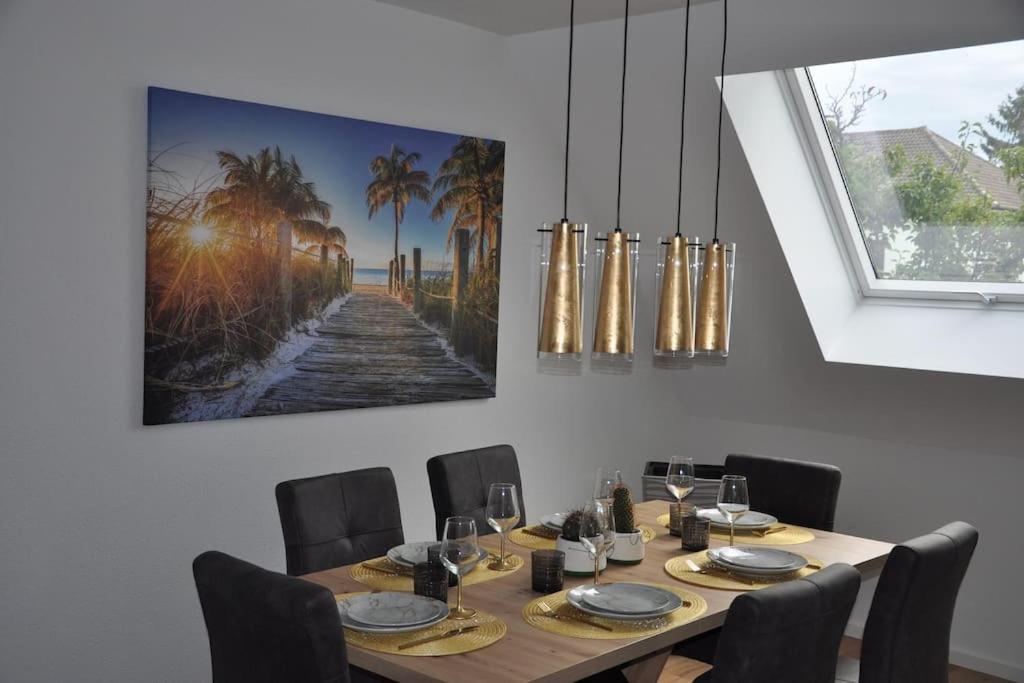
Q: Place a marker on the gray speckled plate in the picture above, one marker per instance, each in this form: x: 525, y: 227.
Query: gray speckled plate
x: 624, y: 600
x: 748, y: 520
x: 411, y: 554
x: 757, y: 560
x: 395, y: 610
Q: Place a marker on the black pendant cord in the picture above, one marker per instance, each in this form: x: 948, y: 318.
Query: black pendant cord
x: 622, y: 116
x: 568, y: 114
x: 682, y: 124
x: 721, y: 103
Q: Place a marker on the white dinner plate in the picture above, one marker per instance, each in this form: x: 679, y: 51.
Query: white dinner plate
x: 575, y: 597
x: 749, y: 520
x: 411, y: 554
x: 360, y: 604
x: 757, y: 560
x: 553, y: 521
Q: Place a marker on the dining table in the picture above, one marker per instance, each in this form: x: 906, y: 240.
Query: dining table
x: 526, y: 653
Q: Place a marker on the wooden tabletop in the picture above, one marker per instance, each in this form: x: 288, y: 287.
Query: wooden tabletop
x: 528, y: 654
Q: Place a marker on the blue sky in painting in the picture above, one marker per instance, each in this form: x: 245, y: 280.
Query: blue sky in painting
x: 333, y: 151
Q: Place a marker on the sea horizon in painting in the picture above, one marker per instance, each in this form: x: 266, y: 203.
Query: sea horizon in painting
x: 301, y: 262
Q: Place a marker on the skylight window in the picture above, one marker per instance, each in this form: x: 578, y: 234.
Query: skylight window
x: 926, y: 155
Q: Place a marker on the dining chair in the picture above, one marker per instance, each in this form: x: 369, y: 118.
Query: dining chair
x: 266, y: 627
x: 338, y: 519
x: 789, y: 632
x: 459, y: 483
x: 797, y: 492
x: 906, y: 637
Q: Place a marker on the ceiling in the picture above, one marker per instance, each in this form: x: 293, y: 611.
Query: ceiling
x: 509, y: 17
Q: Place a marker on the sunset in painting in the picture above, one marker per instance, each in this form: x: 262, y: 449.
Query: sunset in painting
x: 303, y: 262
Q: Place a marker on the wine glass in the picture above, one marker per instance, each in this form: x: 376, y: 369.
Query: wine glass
x: 460, y: 553
x: 679, y: 479
x: 502, y: 515
x: 608, y: 479
x: 733, y: 501
x: 597, y: 534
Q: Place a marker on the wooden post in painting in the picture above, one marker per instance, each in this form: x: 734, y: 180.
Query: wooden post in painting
x: 284, y: 267
x: 351, y: 274
x: 417, y: 279
x: 391, y: 276
x: 323, y: 266
x: 460, y: 278
x: 401, y: 272
x: 341, y: 273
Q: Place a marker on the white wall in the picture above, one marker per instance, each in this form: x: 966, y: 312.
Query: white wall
x: 100, y: 517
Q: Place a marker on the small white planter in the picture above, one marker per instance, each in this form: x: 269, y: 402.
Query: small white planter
x: 578, y: 560
x: 628, y: 549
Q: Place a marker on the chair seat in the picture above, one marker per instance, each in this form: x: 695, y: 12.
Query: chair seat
x: 684, y: 670
x: 848, y: 670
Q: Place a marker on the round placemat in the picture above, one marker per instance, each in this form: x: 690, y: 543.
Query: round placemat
x: 490, y: 630
x: 790, y: 535
x: 383, y: 579
x: 693, y: 606
x: 678, y: 569
x: 520, y: 537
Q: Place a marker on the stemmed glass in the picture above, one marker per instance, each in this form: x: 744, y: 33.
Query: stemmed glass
x: 679, y: 479
x: 608, y: 480
x: 502, y: 515
x: 460, y: 553
x: 597, y: 533
x: 733, y: 501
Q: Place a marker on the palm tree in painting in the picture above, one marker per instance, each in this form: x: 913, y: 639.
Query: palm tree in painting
x: 396, y: 181
x: 470, y: 185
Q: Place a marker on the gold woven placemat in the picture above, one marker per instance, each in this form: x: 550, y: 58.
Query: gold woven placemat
x: 677, y: 569
x: 375, y: 578
x: 527, y: 540
x: 534, y: 616
x: 491, y: 630
x: 790, y: 535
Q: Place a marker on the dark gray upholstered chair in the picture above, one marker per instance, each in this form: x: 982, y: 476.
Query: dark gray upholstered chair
x: 459, y: 483
x: 797, y: 492
x: 906, y: 637
x: 338, y: 519
x: 266, y: 627
x: 789, y: 632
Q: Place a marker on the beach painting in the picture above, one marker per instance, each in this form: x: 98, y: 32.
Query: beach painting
x: 300, y: 262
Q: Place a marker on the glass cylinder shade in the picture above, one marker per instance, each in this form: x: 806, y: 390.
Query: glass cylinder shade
x: 617, y: 256
x: 676, y: 279
x: 563, y: 263
x: 714, y: 302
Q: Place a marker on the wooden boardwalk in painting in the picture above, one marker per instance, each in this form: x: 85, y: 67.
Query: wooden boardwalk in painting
x: 372, y: 352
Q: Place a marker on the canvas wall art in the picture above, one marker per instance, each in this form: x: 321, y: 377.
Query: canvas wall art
x: 301, y: 262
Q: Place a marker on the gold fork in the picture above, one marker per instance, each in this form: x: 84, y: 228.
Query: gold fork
x: 721, y: 573
x: 548, y: 612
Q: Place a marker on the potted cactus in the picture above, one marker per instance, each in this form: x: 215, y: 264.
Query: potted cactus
x: 629, y: 542
x: 578, y: 560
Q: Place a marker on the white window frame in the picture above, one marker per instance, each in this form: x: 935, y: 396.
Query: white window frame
x: 805, y: 109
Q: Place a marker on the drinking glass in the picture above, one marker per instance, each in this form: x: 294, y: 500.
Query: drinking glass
x: 733, y: 501
x: 608, y: 479
x: 502, y: 515
x: 679, y: 479
x: 459, y: 553
x: 597, y: 533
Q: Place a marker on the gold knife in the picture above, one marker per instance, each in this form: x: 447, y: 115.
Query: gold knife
x: 721, y: 573
x: 440, y: 636
x: 773, y: 530
x: 383, y: 570
x: 550, y: 535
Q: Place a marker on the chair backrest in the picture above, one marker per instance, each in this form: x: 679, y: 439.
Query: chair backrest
x: 266, y: 627
x: 788, y: 632
x: 338, y: 519
x: 459, y: 483
x: 906, y: 637
x: 797, y: 492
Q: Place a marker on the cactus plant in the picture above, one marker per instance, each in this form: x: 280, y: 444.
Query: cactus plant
x: 573, y: 523
x: 622, y: 511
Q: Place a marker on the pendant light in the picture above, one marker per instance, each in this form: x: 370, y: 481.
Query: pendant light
x: 678, y: 267
x: 563, y: 263
x: 714, y: 306
x: 617, y: 255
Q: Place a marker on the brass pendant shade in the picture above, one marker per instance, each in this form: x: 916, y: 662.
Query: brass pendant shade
x: 714, y: 306
x: 561, y: 324
x: 677, y: 297
x: 613, y: 328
